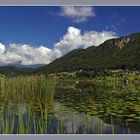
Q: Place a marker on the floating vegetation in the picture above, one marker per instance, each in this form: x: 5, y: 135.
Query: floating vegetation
x: 106, y: 99
x: 42, y: 105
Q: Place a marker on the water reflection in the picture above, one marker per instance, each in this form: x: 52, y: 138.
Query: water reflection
x: 77, y: 108
x: 62, y: 120
x: 116, y: 103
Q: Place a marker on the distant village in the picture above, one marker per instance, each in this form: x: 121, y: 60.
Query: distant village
x: 123, y: 72
x: 82, y: 73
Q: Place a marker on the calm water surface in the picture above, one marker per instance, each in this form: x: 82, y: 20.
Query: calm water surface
x: 82, y: 107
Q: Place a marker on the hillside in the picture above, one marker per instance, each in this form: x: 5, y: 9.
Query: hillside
x: 121, y: 53
x: 13, y: 70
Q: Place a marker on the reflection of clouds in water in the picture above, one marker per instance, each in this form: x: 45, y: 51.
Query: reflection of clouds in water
x: 74, y: 122
x: 81, y: 124
x: 16, y: 108
x: 22, y: 108
x: 65, y: 118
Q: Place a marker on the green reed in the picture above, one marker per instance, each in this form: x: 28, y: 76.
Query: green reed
x: 25, y: 88
x: 37, y: 92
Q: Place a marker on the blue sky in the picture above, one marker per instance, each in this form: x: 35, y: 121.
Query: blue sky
x: 46, y: 26
x: 42, y: 25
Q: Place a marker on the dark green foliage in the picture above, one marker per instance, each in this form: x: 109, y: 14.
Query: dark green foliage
x: 15, y: 71
x: 109, y: 55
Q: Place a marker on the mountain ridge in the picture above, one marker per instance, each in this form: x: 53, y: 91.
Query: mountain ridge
x: 116, y: 53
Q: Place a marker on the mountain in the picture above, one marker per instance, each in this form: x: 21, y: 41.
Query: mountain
x: 17, y: 69
x: 24, y: 66
x: 120, y: 53
x: 13, y: 70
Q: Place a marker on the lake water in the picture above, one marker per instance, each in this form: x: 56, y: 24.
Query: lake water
x: 77, y: 107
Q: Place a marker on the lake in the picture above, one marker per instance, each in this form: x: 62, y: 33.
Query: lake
x: 76, y: 107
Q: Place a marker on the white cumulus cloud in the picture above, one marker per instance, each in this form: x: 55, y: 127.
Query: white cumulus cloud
x: 73, y: 39
x: 25, y: 55
x: 96, y: 38
x: 77, y: 13
x: 2, y: 48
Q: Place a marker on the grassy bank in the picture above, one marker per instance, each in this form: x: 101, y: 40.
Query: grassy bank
x: 25, y: 104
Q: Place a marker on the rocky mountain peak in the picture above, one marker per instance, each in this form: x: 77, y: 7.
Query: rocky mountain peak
x: 121, y: 42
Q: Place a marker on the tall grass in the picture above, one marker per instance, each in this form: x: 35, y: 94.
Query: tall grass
x: 25, y: 88
x: 37, y: 92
